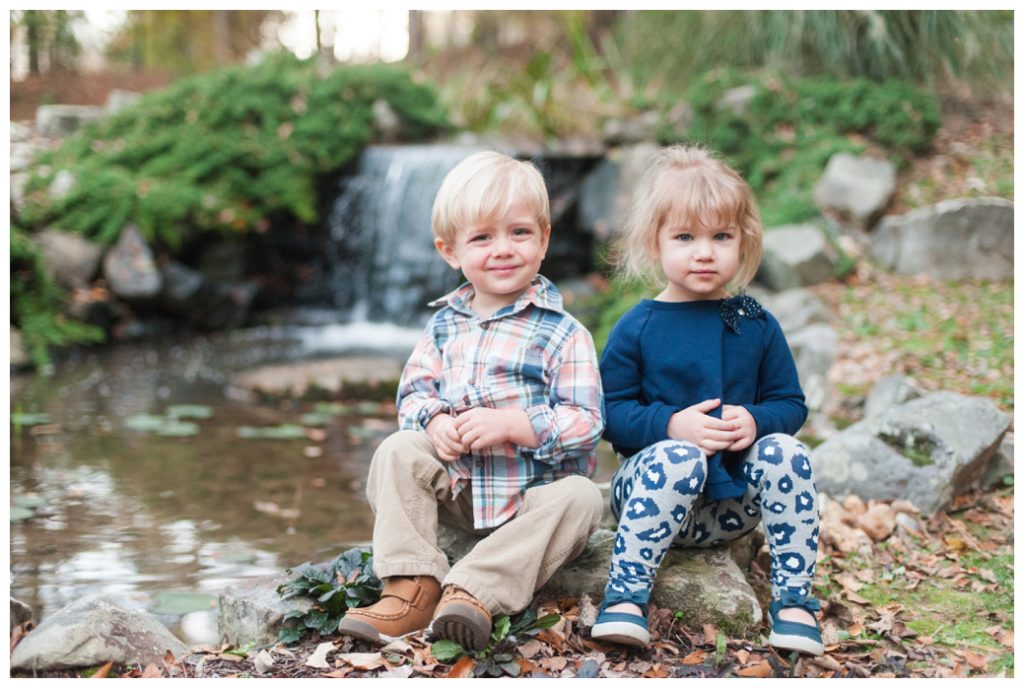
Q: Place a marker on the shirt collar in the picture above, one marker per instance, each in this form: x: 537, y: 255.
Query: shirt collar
x: 541, y: 293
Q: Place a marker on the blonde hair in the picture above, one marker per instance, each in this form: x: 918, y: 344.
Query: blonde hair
x: 690, y: 186
x: 483, y: 187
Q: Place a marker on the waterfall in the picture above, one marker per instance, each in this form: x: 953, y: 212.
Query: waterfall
x: 384, y: 266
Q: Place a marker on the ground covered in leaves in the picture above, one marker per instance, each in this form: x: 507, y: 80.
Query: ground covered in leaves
x: 901, y: 596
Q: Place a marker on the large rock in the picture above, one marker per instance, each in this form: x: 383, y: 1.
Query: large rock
x: 22, y: 155
x: 892, y: 390
x: 814, y: 350
x: 607, y: 190
x: 365, y: 373
x: 93, y: 631
x: 951, y: 240
x: 129, y: 267
x: 796, y: 256
x: 1001, y: 465
x: 927, y: 451
x: 856, y: 187
x: 795, y: 308
x: 706, y: 585
x: 57, y: 121
x: 70, y: 260
x: 119, y: 99
x: 251, y: 612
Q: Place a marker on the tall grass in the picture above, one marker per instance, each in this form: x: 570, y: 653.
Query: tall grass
x: 934, y: 48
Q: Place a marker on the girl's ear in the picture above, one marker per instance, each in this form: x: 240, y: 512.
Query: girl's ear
x: 447, y: 252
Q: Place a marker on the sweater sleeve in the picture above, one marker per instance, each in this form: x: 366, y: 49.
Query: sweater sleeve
x: 781, y: 406
x: 630, y: 422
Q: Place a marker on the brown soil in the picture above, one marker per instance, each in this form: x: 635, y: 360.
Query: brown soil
x: 74, y: 88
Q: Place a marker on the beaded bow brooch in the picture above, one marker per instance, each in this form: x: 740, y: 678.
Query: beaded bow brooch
x: 737, y: 307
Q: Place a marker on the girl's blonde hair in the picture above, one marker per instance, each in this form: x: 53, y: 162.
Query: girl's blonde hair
x: 483, y: 187
x: 691, y: 187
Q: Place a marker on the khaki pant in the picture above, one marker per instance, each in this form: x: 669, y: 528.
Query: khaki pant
x: 409, y: 491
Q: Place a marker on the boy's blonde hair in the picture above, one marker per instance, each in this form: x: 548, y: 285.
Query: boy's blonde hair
x: 483, y: 187
x: 691, y: 187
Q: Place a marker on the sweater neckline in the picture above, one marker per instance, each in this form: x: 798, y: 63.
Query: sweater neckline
x: 683, y: 305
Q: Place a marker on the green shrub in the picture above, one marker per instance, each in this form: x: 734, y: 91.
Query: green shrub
x: 226, y: 151
x: 782, y: 140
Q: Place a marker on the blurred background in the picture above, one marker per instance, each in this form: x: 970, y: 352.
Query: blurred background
x: 221, y: 250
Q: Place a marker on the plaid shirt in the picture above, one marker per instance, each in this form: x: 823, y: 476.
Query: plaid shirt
x: 531, y: 355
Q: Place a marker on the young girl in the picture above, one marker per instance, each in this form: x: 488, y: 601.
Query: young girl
x: 702, y: 402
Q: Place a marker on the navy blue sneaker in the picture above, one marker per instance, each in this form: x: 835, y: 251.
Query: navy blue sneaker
x: 790, y: 635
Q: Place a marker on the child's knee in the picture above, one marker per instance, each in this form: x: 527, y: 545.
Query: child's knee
x: 779, y: 453
x: 402, y: 452
x: 677, y: 465
x: 585, y: 499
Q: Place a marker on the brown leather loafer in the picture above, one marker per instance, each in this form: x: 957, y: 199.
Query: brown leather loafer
x: 462, y: 618
x: 405, y: 606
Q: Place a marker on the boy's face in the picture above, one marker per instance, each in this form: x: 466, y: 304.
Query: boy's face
x: 500, y: 256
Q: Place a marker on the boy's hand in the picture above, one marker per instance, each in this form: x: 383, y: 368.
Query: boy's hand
x: 744, y: 423
x: 442, y: 432
x: 707, y: 432
x: 481, y: 428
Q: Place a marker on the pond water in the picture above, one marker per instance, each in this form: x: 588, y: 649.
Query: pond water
x: 157, y: 522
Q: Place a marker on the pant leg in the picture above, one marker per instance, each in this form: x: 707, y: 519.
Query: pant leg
x: 652, y: 494
x: 406, y: 482
x: 552, y: 526
x: 781, y: 492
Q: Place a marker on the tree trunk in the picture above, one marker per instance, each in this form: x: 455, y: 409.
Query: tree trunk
x: 221, y: 37
x: 32, y: 19
x: 417, y: 39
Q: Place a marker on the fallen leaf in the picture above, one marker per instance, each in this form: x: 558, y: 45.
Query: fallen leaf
x: 104, y: 670
x: 554, y: 663
x: 398, y: 647
x: 462, y: 668
x: 760, y: 670
x: 263, y: 662
x: 402, y: 671
x: 975, y: 660
x: 1005, y: 638
x: 152, y: 671
x: 551, y: 638
x: 530, y: 648
x: 855, y: 598
x: 742, y: 656
x: 526, y: 667
x: 695, y: 657
x: 364, y: 661
x: 657, y: 671
x: 318, y: 659
x: 339, y: 673
x: 710, y: 633
x: 856, y: 629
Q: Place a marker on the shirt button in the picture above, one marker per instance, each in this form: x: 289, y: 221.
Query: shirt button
x: 479, y: 463
x: 484, y: 325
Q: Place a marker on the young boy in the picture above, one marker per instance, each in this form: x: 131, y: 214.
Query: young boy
x: 500, y: 408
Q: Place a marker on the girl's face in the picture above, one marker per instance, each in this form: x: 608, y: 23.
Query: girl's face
x: 698, y: 260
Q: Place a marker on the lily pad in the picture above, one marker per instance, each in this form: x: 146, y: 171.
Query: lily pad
x: 182, y: 602
x: 368, y: 407
x: 314, y: 419
x: 145, y: 422
x: 30, y: 418
x: 189, y: 411
x: 332, y: 409
x: 277, y: 432
x: 29, y: 501
x: 20, y: 513
x: 174, y: 428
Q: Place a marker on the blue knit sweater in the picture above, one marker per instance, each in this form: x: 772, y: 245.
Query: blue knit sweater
x: 662, y: 357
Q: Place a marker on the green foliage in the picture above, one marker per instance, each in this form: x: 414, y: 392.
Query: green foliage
x: 226, y: 151
x: 781, y: 140
x: 348, y: 581
x: 499, y: 657
x: 930, y: 47
x: 37, y: 305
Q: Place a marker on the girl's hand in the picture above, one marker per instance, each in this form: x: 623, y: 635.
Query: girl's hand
x: 481, y: 428
x: 744, y: 423
x: 693, y: 424
x: 442, y: 432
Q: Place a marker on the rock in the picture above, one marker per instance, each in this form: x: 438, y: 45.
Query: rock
x: 927, y: 451
x: 856, y: 187
x: 129, y: 267
x: 334, y: 375
x: 705, y: 584
x: 1001, y: 465
x: 92, y: 631
x: 387, y: 124
x: 814, y: 349
x: 606, y: 192
x: 19, y: 354
x: 205, y: 304
x: 70, y: 260
x: 56, y: 121
x: 22, y: 155
x: 908, y: 524
x: 878, y: 521
x: 795, y: 308
x: 643, y: 127
x: 119, y: 99
x: 20, y: 132
x: 920, y: 241
x: 796, y: 256
x: 20, y: 613
x: 18, y: 181
x: 737, y: 99
x: 251, y: 612
x: 890, y: 391
x: 62, y: 184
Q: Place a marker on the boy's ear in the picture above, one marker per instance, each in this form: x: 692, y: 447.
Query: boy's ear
x: 446, y: 252
x: 545, y: 236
